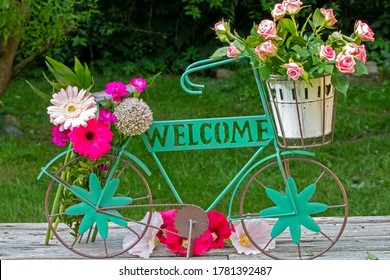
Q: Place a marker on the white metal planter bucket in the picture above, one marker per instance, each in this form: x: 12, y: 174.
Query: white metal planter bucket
x: 303, y: 111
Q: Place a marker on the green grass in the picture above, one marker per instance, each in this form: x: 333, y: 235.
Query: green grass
x: 359, y: 154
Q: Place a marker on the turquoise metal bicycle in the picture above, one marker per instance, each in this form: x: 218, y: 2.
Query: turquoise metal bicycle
x: 287, y: 187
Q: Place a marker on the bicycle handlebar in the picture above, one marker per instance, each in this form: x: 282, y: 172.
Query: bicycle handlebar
x: 199, y: 66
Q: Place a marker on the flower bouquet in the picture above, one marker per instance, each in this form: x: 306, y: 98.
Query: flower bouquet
x: 96, y: 127
x: 281, y: 47
x: 303, y: 64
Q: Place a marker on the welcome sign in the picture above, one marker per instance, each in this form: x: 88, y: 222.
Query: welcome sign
x: 213, y: 133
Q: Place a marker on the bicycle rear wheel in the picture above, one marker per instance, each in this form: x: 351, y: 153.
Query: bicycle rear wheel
x: 294, y: 205
x: 91, y: 216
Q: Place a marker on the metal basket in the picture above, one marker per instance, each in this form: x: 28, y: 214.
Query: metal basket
x: 304, y: 113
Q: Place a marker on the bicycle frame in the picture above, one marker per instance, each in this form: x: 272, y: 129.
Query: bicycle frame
x: 216, y: 133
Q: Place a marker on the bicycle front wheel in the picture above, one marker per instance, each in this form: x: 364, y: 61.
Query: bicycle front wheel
x: 90, y: 213
x: 295, y: 206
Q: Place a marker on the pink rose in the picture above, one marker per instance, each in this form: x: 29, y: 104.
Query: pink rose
x: 362, y: 56
x: 327, y: 52
x: 266, y: 49
x: 267, y: 29
x: 328, y: 14
x: 351, y: 48
x: 363, y: 31
x: 345, y: 63
x: 293, y: 70
x: 221, y: 27
x: 279, y: 11
x: 292, y: 5
x: 232, y: 51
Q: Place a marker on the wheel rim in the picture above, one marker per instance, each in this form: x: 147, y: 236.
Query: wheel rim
x: 137, y: 188
x: 329, y: 190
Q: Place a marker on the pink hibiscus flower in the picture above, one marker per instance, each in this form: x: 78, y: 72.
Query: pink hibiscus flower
x: 93, y: 140
x: 168, y: 218
x: 178, y: 244
x: 219, y: 227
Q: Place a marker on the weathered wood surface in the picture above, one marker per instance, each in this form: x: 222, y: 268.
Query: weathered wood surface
x: 361, y: 236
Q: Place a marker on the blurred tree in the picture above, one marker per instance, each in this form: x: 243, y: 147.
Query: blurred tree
x: 31, y: 28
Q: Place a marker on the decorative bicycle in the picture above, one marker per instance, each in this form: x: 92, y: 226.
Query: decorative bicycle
x: 287, y: 187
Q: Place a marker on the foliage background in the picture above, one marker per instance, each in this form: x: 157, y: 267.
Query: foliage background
x: 161, y: 35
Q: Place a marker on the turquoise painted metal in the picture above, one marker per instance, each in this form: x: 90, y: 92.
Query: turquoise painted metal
x: 292, y: 209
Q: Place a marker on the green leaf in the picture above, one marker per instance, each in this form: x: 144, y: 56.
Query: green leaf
x: 288, y: 24
x: 329, y: 68
x: 370, y: 256
x: 340, y: 82
x: 40, y: 93
x: 318, y: 18
x: 79, y: 71
x: 360, y: 68
x: 219, y: 53
x: 150, y: 81
x: 302, y: 52
x: 57, y: 86
x: 88, y: 79
x: 62, y: 73
x: 265, y: 71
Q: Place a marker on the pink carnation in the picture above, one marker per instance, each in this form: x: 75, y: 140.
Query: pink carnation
x: 60, y: 138
x: 139, y: 84
x: 106, y: 117
x: 117, y: 90
x: 92, y: 140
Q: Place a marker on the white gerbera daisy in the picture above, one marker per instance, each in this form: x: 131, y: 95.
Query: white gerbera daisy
x: 260, y: 233
x: 71, y: 108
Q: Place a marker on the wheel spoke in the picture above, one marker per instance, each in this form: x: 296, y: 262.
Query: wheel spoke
x: 319, y: 177
x: 306, y: 175
x: 92, y: 243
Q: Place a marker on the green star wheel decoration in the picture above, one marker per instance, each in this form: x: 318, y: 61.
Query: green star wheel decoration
x: 293, y: 210
x: 93, y: 200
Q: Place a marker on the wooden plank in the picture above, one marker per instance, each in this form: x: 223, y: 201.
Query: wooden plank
x: 361, y: 235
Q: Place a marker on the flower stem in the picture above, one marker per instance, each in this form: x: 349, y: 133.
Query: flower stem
x: 56, y: 203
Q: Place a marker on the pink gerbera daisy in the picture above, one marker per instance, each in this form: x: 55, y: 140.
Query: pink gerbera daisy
x: 93, y: 140
x: 219, y: 227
